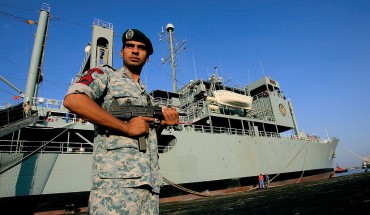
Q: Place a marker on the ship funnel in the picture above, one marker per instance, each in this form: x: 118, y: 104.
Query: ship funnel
x: 100, y: 51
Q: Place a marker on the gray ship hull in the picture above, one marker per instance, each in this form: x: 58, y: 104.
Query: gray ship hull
x: 200, y: 157
x: 193, y: 157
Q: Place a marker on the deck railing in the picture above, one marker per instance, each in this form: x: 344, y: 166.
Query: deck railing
x: 243, y: 132
x: 22, y: 146
x: 52, y: 147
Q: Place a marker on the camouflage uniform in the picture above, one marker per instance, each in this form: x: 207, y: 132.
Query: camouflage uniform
x: 118, y: 165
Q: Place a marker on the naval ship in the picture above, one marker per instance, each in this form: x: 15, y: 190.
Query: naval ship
x: 228, y: 137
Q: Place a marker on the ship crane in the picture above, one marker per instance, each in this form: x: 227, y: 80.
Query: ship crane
x: 365, y: 160
x: 358, y: 156
x: 30, y: 22
x: 12, y: 85
x: 35, y: 74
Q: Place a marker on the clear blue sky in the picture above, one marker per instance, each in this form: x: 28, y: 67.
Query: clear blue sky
x: 319, y: 51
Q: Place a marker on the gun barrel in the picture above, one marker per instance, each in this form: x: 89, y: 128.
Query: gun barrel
x: 125, y: 112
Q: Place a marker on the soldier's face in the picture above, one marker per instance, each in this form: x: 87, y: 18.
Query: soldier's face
x: 134, y: 53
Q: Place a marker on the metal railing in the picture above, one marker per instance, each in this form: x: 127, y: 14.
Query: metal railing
x: 24, y: 146
x: 103, y: 24
x: 48, y: 103
x: 244, y: 132
x: 216, y: 130
x: 11, y: 114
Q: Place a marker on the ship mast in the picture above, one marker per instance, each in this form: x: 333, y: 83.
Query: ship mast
x: 34, y: 73
x: 170, y: 28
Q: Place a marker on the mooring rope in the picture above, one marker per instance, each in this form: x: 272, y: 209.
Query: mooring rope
x: 253, y: 188
x: 195, y: 192
x: 289, y: 162
x: 185, y: 189
x: 304, y: 163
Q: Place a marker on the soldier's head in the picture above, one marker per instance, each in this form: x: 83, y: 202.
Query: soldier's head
x: 136, y: 48
x: 138, y: 36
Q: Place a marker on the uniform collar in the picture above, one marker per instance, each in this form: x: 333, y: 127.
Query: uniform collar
x: 127, y: 74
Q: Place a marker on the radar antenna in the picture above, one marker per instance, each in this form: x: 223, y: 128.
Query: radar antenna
x: 170, y: 29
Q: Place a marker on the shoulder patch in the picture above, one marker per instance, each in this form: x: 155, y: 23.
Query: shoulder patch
x: 87, y: 79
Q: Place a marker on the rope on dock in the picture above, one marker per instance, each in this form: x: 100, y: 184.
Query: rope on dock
x: 290, y: 163
x: 185, y: 189
x: 195, y: 192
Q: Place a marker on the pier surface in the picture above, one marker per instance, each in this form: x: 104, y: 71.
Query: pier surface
x: 348, y: 194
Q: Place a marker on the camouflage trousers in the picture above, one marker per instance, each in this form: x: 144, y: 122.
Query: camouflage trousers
x: 122, y: 201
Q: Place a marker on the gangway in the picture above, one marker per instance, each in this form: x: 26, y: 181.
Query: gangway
x: 13, y: 119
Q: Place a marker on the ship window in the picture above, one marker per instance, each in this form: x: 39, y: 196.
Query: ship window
x: 258, y: 90
x: 103, y: 56
x: 271, y: 88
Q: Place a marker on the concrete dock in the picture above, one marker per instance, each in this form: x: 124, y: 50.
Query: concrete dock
x: 349, y: 194
x: 340, y: 195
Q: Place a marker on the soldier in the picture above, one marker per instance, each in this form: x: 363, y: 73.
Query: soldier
x: 125, y: 180
x: 27, y: 109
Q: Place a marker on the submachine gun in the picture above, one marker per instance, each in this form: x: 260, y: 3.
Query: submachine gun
x: 126, y: 112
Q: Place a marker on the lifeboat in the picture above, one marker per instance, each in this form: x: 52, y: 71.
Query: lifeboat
x: 232, y: 99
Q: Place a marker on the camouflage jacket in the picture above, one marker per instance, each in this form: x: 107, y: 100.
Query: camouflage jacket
x: 117, y: 161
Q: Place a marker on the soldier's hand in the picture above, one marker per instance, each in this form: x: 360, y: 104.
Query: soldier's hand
x: 138, y: 126
x: 171, y: 117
